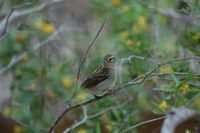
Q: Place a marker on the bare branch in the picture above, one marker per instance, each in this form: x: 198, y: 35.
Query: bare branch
x: 142, y: 123
x: 14, y: 15
x: 85, y: 117
x: 16, y: 59
x: 176, y: 73
x: 6, y: 21
x: 135, y: 81
x: 97, y: 114
x: 110, y: 108
x: 176, y: 117
x: 193, y: 98
x: 89, y: 46
x: 132, y: 57
x: 85, y: 55
x: 168, y: 13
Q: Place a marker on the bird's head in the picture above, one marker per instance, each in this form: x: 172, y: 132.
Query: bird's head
x: 109, y: 60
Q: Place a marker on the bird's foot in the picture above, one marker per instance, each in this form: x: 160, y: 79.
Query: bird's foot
x: 112, y: 90
x: 97, y: 97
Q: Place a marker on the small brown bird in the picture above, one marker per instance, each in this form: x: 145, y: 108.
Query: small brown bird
x: 103, y: 78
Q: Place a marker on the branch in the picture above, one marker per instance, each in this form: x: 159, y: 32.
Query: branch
x: 169, y: 13
x: 173, y: 119
x: 86, y: 52
x: 135, y: 81
x: 85, y: 55
x: 130, y: 58
x: 191, y: 100
x: 6, y: 20
x: 16, y: 59
x: 85, y: 117
x: 110, y: 108
x: 144, y: 122
x: 14, y: 15
x: 176, y: 73
x: 177, y: 116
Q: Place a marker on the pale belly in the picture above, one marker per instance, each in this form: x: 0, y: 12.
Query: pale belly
x: 104, y: 86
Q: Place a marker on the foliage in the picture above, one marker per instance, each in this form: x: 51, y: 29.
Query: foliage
x: 40, y: 81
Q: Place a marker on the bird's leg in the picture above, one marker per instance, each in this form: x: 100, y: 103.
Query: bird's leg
x: 97, y: 97
x: 112, y: 90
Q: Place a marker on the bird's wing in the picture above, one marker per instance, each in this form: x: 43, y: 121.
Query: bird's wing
x: 97, y: 77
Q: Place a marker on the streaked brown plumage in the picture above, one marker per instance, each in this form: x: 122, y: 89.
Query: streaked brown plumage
x: 103, y: 78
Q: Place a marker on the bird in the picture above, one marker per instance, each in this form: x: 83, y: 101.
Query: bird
x: 102, y: 80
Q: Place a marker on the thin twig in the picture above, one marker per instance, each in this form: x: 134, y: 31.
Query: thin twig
x: 110, y: 108
x: 17, y: 14
x: 177, y: 116
x: 89, y: 46
x: 6, y: 23
x: 144, y: 122
x: 191, y: 100
x: 24, y: 4
x: 85, y: 55
x: 132, y: 57
x: 136, y: 81
x: 15, y: 59
x: 71, y: 107
x: 10, y: 13
x: 169, y: 13
x: 176, y: 73
x: 85, y: 117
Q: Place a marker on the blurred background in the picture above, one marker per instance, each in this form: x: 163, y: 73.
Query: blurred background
x: 43, y: 42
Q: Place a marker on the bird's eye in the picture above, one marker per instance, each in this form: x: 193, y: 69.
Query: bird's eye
x: 111, y: 60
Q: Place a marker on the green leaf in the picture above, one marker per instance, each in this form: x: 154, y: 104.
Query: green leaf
x: 116, y: 114
x: 25, y: 97
x: 175, y: 79
x: 97, y: 128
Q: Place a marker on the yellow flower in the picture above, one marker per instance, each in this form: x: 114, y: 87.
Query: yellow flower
x: 123, y: 35
x: 196, y: 37
x: 50, y: 94
x: 116, y: 2
x: 163, y: 105
x: 49, y: 28
x: 25, y: 58
x: 135, y: 29
x: 46, y: 27
x: 170, y: 47
x: 81, y: 96
x: 166, y: 69
x: 129, y: 42
x: 82, y: 131
x: 109, y: 127
x: 17, y: 129
x: 20, y: 38
x: 158, y: 53
x: 58, y: 68
x: 154, y: 79
x: 67, y: 81
x: 138, y: 44
x: 7, y: 111
x: 40, y: 24
x: 142, y: 22
x: 126, y: 8
x: 184, y: 88
x: 32, y: 86
x: 197, y: 101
